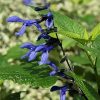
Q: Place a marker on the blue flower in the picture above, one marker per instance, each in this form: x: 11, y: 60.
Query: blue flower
x: 49, y: 21
x: 62, y: 90
x: 29, y: 2
x: 14, y: 19
x: 44, y: 36
x: 25, y: 24
x: 54, y: 67
x: 32, y: 53
x: 45, y: 55
x: 44, y: 58
x: 42, y: 8
x: 31, y: 48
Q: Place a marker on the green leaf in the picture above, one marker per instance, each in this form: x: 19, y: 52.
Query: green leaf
x: 81, y: 59
x: 25, y: 72
x: 96, y: 31
x: 15, y: 52
x: 94, y: 48
x: 90, y: 19
x: 28, y: 74
x: 86, y: 35
x: 77, y: 97
x: 68, y: 43
x: 68, y: 27
x: 89, y: 92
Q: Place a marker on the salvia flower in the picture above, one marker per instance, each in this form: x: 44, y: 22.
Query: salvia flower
x: 49, y: 22
x: 44, y: 58
x: 43, y: 7
x: 62, y: 90
x: 54, y: 67
x: 48, y: 18
x: 33, y: 50
x: 26, y: 23
x: 14, y: 19
x: 45, y: 55
x: 45, y: 33
x: 44, y: 36
x: 29, y: 2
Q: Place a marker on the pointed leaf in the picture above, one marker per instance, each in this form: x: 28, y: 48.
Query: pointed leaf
x: 67, y: 26
x: 24, y: 72
x: 96, y: 31
x: 89, y: 92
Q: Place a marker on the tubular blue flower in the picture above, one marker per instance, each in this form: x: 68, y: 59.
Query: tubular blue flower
x: 44, y: 58
x: 21, y: 31
x: 38, y: 26
x: 32, y: 56
x: 54, y: 67
x: 40, y: 48
x: 28, y: 46
x: 63, y: 93
x: 29, y: 54
x: 62, y: 89
x: 33, y: 52
x: 44, y: 36
x: 26, y: 23
x: 14, y: 19
x: 49, y: 22
x: 29, y: 2
x: 43, y: 7
x: 48, y: 48
x: 45, y: 54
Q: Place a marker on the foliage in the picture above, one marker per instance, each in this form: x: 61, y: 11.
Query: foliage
x: 86, y: 59
x: 24, y: 73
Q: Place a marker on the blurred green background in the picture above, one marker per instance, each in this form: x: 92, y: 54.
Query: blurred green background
x: 86, y: 12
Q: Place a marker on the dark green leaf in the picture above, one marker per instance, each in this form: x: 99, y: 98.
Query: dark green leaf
x: 89, y: 92
x: 25, y: 72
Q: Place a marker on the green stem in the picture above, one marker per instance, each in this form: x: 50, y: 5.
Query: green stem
x: 97, y: 76
x: 93, y: 64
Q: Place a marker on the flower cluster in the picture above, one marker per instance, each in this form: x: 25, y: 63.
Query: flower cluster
x: 45, y: 48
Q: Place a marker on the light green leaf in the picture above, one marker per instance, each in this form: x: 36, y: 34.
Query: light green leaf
x: 94, y: 48
x: 95, y: 32
x: 89, y: 92
x: 86, y: 35
x: 68, y: 27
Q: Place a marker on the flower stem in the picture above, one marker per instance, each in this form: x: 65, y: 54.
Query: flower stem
x: 93, y: 64
x: 64, y: 53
